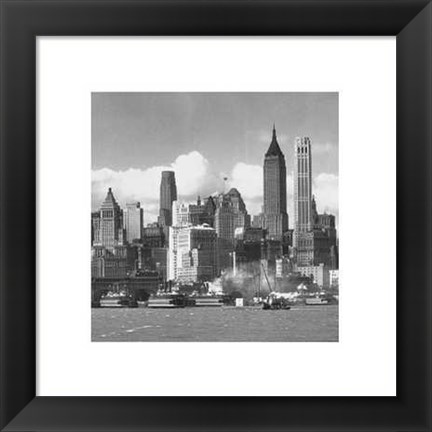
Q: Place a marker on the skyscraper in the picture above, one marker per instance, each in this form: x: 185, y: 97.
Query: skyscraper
x: 133, y: 221
x: 314, y: 236
x: 110, y: 229
x: 303, y: 217
x: 275, y: 206
x: 241, y: 216
x: 225, y: 220
x: 168, y: 194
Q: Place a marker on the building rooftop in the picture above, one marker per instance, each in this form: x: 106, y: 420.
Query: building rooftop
x: 109, y: 201
x: 274, y: 149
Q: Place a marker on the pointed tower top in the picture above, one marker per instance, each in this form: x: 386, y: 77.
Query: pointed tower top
x: 274, y: 149
x: 109, y: 201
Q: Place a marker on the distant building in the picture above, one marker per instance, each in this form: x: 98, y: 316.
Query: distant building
x: 271, y: 250
x: 108, y: 228
x: 107, y: 263
x: 168, y: 194
x: 254, y: 235
x: 283, y: 267
x: 207, y: 217
x: 302, y: 186
x: 314, y: 238
x: 133, y: 218
x: 187, y: 214
x: 225, y: 220
x: 160, y: 261
x: 275, y: 207
x: 192, y: 254
x: 257, y: 221
x: 241, y: 216
x: 324, y: 222
x: 153, y: 236
x: 313, y: 248
x: 95, y: 225
x: 225, y: 228
x: 319, y: 273
x: 172, y: 252
x: 334, y: 278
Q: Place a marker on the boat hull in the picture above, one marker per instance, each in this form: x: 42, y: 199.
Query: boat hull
x: 117, y: 303
x: 316, y: 302
x: 166, y: 302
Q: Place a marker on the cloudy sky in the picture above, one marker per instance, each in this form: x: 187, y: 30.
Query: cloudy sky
x: 205, y: 137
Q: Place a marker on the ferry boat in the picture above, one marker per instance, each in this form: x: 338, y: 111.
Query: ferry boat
x: 117, y: 300
x: 169, y: 300
x: 313, y: 301
x: 203, y: 300
x: 321, y: 299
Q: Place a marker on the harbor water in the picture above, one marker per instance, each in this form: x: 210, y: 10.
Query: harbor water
x: 220, y: 324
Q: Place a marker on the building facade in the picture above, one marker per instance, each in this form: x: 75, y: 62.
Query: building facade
x: 302, y: 187
x: 320, y: 274
x: 241, y: 216
x: 192, y: 254
x: 108, y: 228
x: 187, y: 214
x: 275, y: 218
x: 168, y: 194
x: 153, y: 236
x: 133, y: 218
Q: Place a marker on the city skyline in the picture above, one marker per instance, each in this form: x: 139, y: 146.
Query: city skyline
x: 200, y: 167
x: 224, y: 234
x: 215, y: 238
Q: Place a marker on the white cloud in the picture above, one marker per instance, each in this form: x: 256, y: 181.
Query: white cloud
x: 323, y: 148
x: 326, y: 191
x: 193, y: 176
x: 248, y: 180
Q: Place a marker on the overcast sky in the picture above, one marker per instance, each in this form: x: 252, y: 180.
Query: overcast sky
x: 205, y: 137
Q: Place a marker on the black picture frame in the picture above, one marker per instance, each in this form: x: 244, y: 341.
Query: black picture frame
x: 22, y: 21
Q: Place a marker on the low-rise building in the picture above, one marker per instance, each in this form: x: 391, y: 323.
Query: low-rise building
x: 319, y: 273
x: 334, y: 278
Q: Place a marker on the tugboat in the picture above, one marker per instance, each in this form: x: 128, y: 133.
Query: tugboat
x: 274, y: 301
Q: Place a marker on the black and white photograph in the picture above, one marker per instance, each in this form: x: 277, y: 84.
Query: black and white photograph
x: 215, y: 217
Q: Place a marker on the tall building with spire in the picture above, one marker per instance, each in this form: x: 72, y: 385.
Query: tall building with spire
x: 109, y: 230
x: 303, y: 214
x: 275, y: 219
x: 168, y: 194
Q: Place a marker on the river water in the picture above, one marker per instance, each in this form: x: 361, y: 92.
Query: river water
x: 223, y: 324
